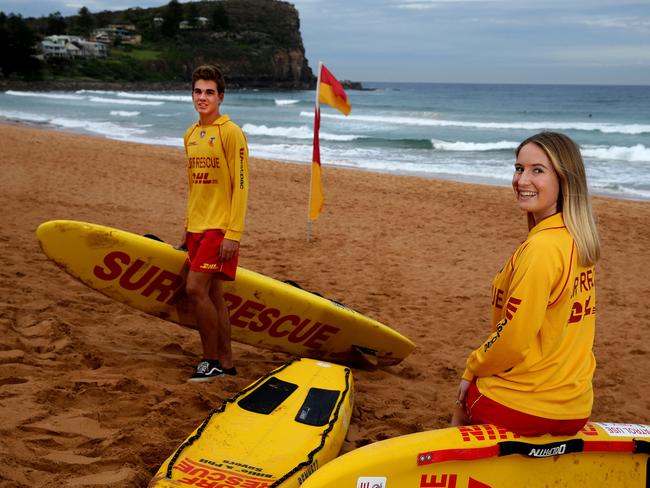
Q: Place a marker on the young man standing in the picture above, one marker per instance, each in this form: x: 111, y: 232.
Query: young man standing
x: 217, y: 169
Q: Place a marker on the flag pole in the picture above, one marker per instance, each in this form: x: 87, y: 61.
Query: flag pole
x: 311, y: 173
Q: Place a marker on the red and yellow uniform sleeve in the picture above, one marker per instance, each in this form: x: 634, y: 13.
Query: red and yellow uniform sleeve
x: 237, y: 157
x: 524, y: 307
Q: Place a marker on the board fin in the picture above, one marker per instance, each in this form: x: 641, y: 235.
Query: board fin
x: 153, y: 237
x: 367, y: 356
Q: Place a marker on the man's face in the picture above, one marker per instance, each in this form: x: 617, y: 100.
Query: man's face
x: 206, y: 99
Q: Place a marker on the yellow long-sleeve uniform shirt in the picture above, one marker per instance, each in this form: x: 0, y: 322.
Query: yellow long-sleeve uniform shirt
x: 539, y: 358
x: 217, y: 169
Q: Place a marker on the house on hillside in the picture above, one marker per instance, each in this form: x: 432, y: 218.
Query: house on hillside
x: 124, y: 33
x: 198, y: 23
x: 69, y: 47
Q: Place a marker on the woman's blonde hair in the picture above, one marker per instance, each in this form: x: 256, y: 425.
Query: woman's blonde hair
x: 573, y: 200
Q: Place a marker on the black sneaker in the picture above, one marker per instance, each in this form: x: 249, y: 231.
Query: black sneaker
x: 207, y: 370
x: 230, y: 371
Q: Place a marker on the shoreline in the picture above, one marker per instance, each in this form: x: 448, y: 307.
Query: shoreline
x: 70, y: 85
x: 471, y: 180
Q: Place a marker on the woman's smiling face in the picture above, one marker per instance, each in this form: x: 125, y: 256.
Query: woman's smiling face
x: 536, y: 184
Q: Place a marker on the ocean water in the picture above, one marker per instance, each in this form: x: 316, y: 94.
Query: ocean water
x: 464, y: 132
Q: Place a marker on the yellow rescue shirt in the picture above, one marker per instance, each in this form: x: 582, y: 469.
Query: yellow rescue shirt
x: 217, y: 170
x: 539, y: 359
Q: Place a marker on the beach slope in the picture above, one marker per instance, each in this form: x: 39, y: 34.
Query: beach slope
x: 93, y: 393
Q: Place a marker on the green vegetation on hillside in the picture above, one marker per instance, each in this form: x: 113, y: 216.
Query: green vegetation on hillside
x: 257, y: 43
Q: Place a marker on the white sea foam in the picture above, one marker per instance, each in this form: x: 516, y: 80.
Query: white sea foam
x: 473, y: 146
x: 620, y: 190
x: 23, y: 116
x: 123, y: 113
x: 97, y: 92
x: 279, y: 101
x: 56, y: 96
x: 638, y: 152
x: 604, y: 127
x: 149, y: 96
x: 302, y: 132
x: 117, y: 101
x: 156, y: 141
x: 107, y: 129
x: 282, y: 152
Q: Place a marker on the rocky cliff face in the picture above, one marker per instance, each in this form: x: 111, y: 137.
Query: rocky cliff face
x: 260, y: 47
x: 257, y: 43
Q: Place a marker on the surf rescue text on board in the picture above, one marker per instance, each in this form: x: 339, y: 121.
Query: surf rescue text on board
x: 165, y: 286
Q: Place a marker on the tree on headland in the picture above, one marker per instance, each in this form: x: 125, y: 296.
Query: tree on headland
x: 56, y: 24
x: 172, y: 16
x: 18, y: 41
x: 220, y: 18
x: 192, y: 14
x: 85, y: 22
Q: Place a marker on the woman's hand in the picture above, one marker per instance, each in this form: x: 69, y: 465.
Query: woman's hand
x: 459, y: 416
x: 461, y: 395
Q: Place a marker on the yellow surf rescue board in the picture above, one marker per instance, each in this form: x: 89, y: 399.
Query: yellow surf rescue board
x: 484, y: 456
x: 150, y: 276
x: 274, y: 433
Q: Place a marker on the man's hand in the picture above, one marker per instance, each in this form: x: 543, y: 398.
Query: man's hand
x: 228, y: 250
x: 183, y: 245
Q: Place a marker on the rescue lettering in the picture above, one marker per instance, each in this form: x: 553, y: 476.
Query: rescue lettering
x: 257, y: 317
x: 583, y: 283
x: 139, y: 276
x: 497, y: 297
x: 203, y: 162
x: 135, y: 275
x: 206, y: 476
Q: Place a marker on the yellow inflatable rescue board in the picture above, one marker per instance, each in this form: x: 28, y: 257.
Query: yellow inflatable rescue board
x: 484, y: 456
x: 274, y: 433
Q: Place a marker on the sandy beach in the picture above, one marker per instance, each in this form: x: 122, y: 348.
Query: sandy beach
x: 93, y: 393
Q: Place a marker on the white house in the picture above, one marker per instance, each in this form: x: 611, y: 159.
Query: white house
x: 61, y: 46
x: 71, y: 47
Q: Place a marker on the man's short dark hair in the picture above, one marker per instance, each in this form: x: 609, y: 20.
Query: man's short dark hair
x: 209, y: 72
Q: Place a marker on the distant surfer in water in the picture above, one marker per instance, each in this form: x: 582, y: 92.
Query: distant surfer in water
x: 533, y: 375
x: 217, y: 170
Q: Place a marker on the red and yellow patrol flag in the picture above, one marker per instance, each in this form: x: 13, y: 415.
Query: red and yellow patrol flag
x: 329, y: 91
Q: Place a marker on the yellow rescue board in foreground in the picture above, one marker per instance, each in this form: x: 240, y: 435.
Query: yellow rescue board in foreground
x: 150, y: 276
x: 274, y: 433
x: 484, y: 456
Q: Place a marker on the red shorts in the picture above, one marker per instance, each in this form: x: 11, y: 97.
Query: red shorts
x: 203, y: 254
x: 482, y: 410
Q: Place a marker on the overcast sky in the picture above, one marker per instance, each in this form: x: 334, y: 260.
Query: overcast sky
x: 492, y: 41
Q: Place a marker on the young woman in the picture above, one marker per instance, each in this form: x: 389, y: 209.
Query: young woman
x: 533, y: 374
